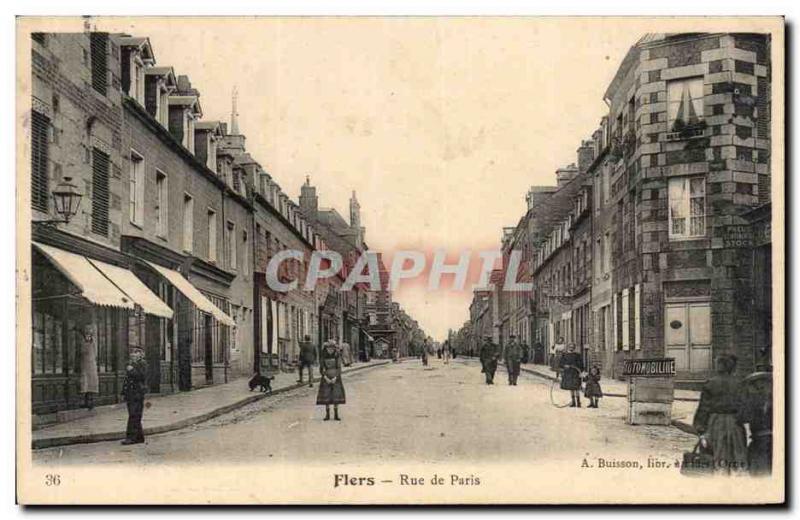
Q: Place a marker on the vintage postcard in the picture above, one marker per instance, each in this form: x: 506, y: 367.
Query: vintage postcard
x: 400, y: 260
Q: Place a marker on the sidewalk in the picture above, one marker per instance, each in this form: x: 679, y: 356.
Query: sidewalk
x: 169, y: 412
x: 683, y: 407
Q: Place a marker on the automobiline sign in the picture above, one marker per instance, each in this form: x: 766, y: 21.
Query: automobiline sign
x: 649, y: 367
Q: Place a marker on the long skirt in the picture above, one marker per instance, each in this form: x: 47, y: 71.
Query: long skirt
x: 728, y: 442
x: 331, y: 393
x: 593, y: 389
x: 570, y: 379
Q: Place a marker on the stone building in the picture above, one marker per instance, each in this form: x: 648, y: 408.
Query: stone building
x: 188, y: 224
x: 347, y: 239
x: 689, y: 122
x: 75, y: 129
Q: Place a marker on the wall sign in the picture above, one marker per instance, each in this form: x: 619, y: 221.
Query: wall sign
x: 649, y: 367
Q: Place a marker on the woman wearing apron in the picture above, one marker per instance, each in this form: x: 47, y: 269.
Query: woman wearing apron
x: 331, y: 389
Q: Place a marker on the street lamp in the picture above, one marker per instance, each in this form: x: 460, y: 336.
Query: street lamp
x: 67, y: 200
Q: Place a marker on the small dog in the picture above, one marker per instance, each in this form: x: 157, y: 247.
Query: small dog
x: 263, y: 381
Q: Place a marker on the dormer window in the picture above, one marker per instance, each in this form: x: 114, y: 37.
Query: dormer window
x: 159, y: 83
x: 211, y: 159
x: 136, y: 90
x: 188, y: 131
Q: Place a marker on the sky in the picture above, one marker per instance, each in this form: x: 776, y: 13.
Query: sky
x: 439, y: 124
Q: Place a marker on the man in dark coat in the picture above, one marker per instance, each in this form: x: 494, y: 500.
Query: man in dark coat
x: 489, y: 355
x: 571, y: 366
x: 513, y: 357
x: 134, y: 388
x: 308, y: 355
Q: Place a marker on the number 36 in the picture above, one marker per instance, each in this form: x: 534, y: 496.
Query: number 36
x: 52, y: 479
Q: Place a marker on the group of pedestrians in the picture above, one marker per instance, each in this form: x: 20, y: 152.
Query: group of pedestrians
x: 491, y: 353
x: 570, y: 370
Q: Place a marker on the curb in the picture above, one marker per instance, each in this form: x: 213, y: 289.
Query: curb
x: 605, y: 394
x: 67, y: 440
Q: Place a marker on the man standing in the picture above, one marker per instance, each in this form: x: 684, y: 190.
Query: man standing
x: 308, y: 355
x: 513, y: 357
x: 134, y: 389
x: 489, y: 355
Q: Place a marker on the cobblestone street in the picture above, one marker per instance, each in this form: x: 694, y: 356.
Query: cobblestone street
x: 439, y: 413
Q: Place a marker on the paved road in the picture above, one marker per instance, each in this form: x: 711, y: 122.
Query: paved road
x: 439, y: 413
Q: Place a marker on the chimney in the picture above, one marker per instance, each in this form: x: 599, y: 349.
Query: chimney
x: 585, y: 155
x: 566, y: 174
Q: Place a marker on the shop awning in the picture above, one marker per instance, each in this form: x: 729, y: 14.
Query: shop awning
x: 93, y: 285
x: 191, y: 292
x: 135, y: 288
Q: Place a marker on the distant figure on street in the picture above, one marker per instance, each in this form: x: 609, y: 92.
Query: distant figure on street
x: 424, y: 354
x: 90, y: 381
x: 526, y: 357
x: 308, y: 355
x: 446, y: 353
x: 555, y: 356
x: 571, y: 366
x: 513, y: 357
x: 489, y: 355
x: 756, y: 412
x: 538, y: 353
x: 593, y: 392
x: 716, y: 417
x: 331, y: 389
x: 347, y: 354
x: 134, y: 388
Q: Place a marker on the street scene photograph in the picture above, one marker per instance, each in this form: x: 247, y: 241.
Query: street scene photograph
x: 400, y: 260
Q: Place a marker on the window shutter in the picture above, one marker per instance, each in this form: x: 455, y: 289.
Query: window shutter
x: 637, y: 317
x: 614, y: 321
x: 40, y: 148
x: 140, y: 181
x: 100, y: 164
x: 99, y: 45
x: 625, y: 320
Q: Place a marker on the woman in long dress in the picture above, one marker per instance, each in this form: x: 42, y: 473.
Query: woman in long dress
x: 89, y: 380
x: 716, y: 417
x: 331, y: 389
x: 571, y: 365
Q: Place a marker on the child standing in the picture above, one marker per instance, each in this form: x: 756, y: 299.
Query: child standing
x: 593, y: 391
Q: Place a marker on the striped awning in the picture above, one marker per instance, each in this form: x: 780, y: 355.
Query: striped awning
x: 190, y: 291
x: 105, y: 284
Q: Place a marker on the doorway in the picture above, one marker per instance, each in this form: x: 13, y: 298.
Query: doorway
x: 688, y: 335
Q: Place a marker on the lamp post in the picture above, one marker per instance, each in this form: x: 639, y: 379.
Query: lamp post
x: 67, y: 200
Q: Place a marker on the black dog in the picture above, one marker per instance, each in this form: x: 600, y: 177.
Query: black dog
x: 262, y: 381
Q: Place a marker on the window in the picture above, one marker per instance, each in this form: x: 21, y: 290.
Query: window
x: 100, y: 166
x: 162, y: 198
x: 212, y: 235
x: 136, y: 189
x: 40, y: 149
x: 188, y: 130
x: 162, y: 112
x: 137, y: 79
x: 684, y: 103
x: 99, y: 43
x: 188, y: 222
x: 47, y: 344
x: 687, y: 207
x: 607, y: 253
x: 230, y: 245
